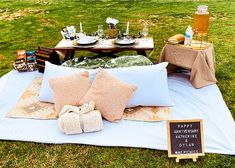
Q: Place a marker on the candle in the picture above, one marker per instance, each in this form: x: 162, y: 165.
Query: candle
x: 127, y: 28
x: 81, y: 31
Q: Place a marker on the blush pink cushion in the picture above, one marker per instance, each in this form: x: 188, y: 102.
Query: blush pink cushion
x: 109, y: 94
x: 69, y: 89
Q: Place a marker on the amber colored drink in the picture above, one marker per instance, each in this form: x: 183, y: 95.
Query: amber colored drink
x: 201, y: 23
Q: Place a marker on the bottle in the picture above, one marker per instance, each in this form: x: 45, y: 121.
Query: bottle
x: 71, y: 32
x: 188, y: 36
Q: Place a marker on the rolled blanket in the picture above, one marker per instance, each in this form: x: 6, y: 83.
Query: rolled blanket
x: 75, y: 120
x: 92, y: 121
x: 69, y: 123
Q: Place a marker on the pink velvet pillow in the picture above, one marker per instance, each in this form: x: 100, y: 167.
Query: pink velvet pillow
x: 69, y: 89
x: 109, y: 94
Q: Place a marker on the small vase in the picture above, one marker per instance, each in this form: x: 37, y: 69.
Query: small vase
x: 112, y: 33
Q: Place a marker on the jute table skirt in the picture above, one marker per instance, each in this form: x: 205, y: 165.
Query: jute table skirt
x: 200, y: 62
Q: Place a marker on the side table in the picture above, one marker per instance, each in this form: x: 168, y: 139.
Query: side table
x: 201, y: 62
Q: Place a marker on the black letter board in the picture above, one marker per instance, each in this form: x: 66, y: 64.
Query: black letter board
x: 185, y: 139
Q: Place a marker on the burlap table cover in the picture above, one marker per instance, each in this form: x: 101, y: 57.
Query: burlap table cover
x: 201, y: 62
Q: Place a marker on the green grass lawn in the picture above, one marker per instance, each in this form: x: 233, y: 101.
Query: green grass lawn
x: 27, y: 24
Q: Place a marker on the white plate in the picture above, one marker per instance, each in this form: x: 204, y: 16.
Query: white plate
x: 125, y: 41
x: 86, y: 40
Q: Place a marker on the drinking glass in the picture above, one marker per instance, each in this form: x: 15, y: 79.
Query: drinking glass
x: 145, y: 30
x: 100, y: 31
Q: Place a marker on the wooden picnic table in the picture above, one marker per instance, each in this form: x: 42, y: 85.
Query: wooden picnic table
x: 105, y: 46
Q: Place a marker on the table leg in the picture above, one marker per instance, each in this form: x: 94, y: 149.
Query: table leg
x: 72, y: 54
x: 150, y: 54
x: 141, y: 52
x: 69, y: 54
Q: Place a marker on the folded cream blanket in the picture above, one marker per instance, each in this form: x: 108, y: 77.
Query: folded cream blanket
x: 75, y: 120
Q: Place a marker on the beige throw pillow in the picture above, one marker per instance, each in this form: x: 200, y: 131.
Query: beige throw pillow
x: 109, y: 94
x: 69, y: 89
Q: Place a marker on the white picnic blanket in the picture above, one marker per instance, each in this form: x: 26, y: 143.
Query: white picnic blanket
x: 190, y: 103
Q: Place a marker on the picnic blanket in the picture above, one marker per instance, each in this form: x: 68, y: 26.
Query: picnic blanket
x: 190, y: 103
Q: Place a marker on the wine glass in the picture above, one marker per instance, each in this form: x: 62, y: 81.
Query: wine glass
x: 100, y: 31
x: 145, y: 31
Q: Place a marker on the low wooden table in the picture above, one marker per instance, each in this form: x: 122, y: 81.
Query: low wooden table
x: 105, y: 46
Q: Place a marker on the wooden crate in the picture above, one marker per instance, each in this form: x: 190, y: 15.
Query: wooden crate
x: 46, y: 54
